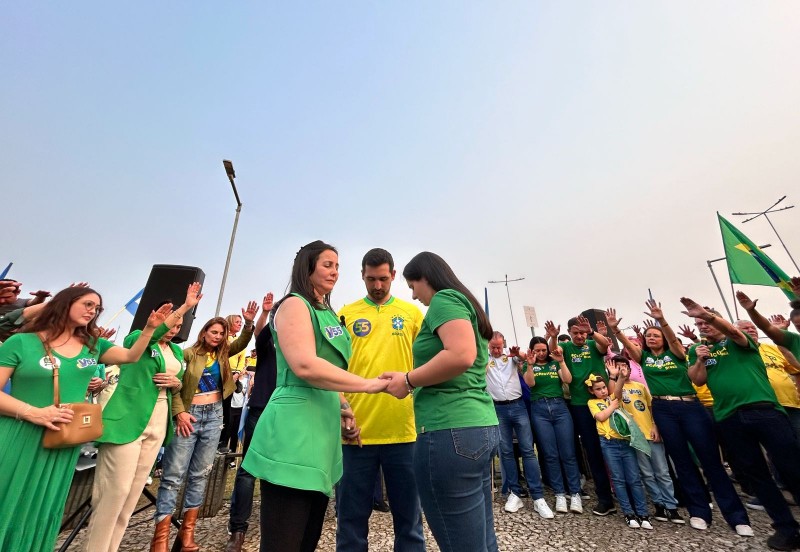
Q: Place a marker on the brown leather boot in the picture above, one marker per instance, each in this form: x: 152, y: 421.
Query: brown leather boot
x: 235, y: 542
x: 186, y: 532
x: 160, y: 542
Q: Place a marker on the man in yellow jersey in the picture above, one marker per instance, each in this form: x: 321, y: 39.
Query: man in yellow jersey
x: 382, y: 328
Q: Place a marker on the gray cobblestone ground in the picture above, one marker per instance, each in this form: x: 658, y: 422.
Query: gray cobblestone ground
x: 521, y: 531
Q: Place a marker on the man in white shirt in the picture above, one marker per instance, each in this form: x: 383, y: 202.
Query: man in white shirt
x: 503, y: 385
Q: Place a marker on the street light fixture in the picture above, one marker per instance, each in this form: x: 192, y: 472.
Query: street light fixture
x: 231, y: 175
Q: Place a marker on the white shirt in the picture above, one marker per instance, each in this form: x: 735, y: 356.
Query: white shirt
x: 502, y: 380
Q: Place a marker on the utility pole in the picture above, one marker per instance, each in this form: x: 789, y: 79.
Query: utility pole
x: 510, y: 310
x: 765, y: 214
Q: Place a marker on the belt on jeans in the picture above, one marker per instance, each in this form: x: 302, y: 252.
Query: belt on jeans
x: 207, y: 399
x: 686, y: 398
x: 508, y: 402
x: 550, y: 399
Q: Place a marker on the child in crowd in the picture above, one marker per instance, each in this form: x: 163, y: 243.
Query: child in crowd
x: 654, y: 470
x: 619, y: 456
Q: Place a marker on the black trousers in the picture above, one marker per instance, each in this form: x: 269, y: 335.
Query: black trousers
x: 291, y: 519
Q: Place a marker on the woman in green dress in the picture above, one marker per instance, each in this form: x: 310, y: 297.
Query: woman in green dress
x: 296, y: 448
x: 36, y: 480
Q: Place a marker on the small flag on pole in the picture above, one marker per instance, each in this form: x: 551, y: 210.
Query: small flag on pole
x: 747, y: 264
x: 486, y: 301
x: 133, y: 304
x: 5, y: 272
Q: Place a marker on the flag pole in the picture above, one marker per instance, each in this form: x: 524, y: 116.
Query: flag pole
x: 120, y: 311
x: 722, y: 296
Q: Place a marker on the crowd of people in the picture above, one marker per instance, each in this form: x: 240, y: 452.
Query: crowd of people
x: 380, y: 393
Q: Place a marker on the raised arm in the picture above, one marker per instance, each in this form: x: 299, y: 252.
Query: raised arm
x: 557, y: 354
x: 266, y: 308
x: 552, y: 334
x: 633, y: 349
x: 695, y: 310
x: 773, y: 332
x: 121, y: 355
x: 600, y: 341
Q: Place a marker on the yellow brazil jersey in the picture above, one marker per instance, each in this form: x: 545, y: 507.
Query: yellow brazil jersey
x: 637, y: 402
x: 604, y: 428
x: 381, y: 340
x: 780, y: 372
x: 237, y: 361
x: 704, y: 395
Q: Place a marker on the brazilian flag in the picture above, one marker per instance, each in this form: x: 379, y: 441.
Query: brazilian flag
x: 747, y: 264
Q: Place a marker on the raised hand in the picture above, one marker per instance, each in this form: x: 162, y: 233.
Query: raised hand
x: 613, y: 321
x: 584, y: 325
x: 157, y: 317
x: 601, y: 328
x: 557, y: 354
x: 106, y: 333
x: 611, y: 368
x: 193, y: 295
x: 79, y: 284
x: 687, y: 332
x: 41, y: 294
x: 746, y: 303
x: 649, y: 324
x: 514, y: 351
x: 695, y: 309
x: 779, y: 321
x: 530, y: 356
x: 249, y: 314
x: 638, y: 331
x: 266, y: 304
x: 655, y: 310
x: 551, y: 329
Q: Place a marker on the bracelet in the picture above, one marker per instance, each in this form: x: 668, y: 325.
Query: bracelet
x: 19, y: 416
x: 409, y: 386
x: 613, y: 379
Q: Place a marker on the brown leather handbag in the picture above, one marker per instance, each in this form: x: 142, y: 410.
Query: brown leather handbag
x: 86, y: 424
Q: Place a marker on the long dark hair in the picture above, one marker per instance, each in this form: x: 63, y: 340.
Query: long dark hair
x: 439, y: 276
x: 53, y: 320
x: 221, y: 350
x: 305, y: 263
x: 664, y: 345
x: 538, y: 339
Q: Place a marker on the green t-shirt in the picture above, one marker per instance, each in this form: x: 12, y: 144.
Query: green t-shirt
x: 548, y: 383
x: 736, y: 376
x: 792, y: 342
x: 666, y: 375
x: 462, y: 401
x: 582, y: 361
x: 32, y: 379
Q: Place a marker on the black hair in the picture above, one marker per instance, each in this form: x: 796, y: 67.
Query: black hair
x: 795, y: 308
x: 622, y: 359
x: 305, y: 263
x: 564, y: 337
x: 439, y: 275
x: 535, y: 340
x: 572, y: 322
x: 377, y: 257
x: 644, y: 341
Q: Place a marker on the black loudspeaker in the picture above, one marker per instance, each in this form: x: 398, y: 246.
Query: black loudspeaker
x: 595, y: 315
x: 168, y: 283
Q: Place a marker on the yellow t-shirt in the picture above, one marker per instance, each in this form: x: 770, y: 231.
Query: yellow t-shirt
x: 237, y: 361
x: 778, y: 372
x: 604, y: 428
x: 704, y: 395
x: 637, y: 402
x: 249, y: 362
x: 381, y: 340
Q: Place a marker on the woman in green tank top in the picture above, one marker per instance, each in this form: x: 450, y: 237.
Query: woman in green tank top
x: 296, y: 448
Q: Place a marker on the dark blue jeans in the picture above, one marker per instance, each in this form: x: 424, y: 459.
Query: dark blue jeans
x: 586, y: 427
x: 624, y: 468
x: 682, y: 423
x: 243, y: 487
x: 745, y: 432
x: 452, y: 468
x: 513, y: 418
x: 552, y: 424
x: 354, y: 496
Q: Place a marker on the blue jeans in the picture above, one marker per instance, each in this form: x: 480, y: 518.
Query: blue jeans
x: 682, y: 423
x: 452, y: 468
x: 655, y: 475
x: 745, y: 432
x: 586, y: 427
x: 193, y: 454
x: 354, y: 496
x: 621, y: 461
x: 245, y: 484
x: 513, y: 418
x: 553, y: 426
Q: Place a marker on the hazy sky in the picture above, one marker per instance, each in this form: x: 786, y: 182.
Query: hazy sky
x: 583, y: 146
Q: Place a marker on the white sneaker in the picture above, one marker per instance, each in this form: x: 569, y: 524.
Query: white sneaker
x: 644, y: 523
x: 744, y: 531
x: 575, y: 504
x: 513, y: 504
x: 542, y: 508
x: 698, y: 523
x: 561, y: 504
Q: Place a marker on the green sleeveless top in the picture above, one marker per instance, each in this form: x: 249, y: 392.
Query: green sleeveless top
x: 297, y: 441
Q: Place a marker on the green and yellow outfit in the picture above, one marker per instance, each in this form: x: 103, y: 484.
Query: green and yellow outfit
x: 35, y: 481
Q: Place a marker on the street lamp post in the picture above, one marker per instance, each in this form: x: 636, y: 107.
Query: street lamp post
x: 765, y: 214
x: 231, y: 175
